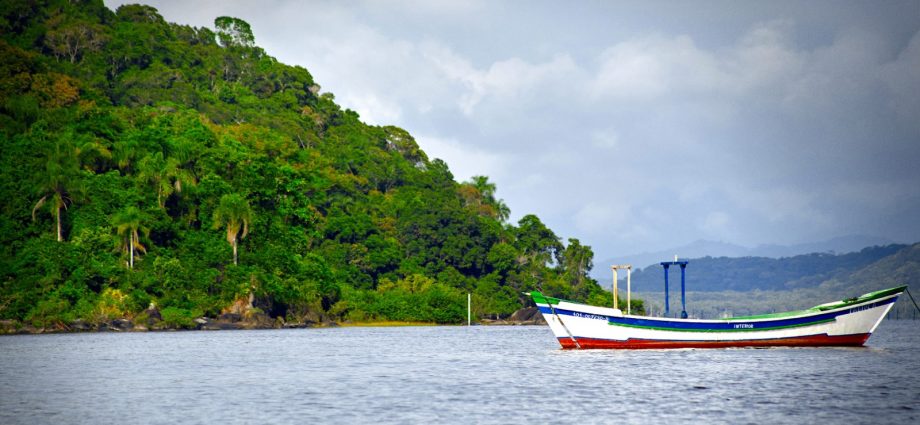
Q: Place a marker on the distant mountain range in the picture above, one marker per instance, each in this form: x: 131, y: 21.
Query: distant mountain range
x: 709, y: 274
x: 719, y: 286
x: 704, y: 248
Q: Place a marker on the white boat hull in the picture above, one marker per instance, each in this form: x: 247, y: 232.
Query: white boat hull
x: 847, y: 323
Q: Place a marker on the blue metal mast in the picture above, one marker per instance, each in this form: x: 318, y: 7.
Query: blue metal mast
x: 683, y: 293
x: 667, y: 303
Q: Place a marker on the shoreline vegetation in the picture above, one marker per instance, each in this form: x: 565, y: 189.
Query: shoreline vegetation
x: 152, y: 321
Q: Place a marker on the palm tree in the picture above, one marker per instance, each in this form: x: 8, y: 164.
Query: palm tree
x: 127, y: 223
x: 234, y: 212
x: 165, y: 174
x: 488, y: 204
x: 502, y: 212
x: 60, y: 183
x: 125, y: 153
x: 485, y: 187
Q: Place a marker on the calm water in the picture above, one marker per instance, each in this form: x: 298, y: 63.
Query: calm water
x: 445, y: 374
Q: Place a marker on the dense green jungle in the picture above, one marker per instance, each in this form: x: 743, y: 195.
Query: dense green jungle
x: 155, y: 168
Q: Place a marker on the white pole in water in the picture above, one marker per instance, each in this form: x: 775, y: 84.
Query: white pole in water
x: 469, y: 309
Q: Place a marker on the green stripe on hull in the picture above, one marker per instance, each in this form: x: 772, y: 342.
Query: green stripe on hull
x: 860, y: 299
x: 542, y: 299
x: 826, y: 307
x: 660, y: 328
x: 771, y: 315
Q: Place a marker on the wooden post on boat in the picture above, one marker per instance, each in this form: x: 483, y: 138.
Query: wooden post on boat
x: 614, y: 268
x: 628, y: 289
x: 628, y: 268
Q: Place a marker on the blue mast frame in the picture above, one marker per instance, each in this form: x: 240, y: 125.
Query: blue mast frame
x: 683, y: 293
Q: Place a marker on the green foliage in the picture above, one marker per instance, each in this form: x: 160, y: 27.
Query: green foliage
x: 129, y: 224
x: 234, y: 32
x: 130, y: 135
x: 235, y: 213
x: 179, y: 317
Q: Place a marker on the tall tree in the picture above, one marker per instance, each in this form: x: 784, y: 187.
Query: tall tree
x: 165, y: 174
x: 71, y: 40
x: 577, y: 260
x: 234, y: 32
x: 235, y: 213
x: 60, y: 183
x: 479, y: 193
x: 536, y: 242
x: 128, y: 223
x: 539, y: 247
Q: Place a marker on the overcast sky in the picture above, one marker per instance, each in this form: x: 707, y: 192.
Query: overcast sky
x: 635, y: 126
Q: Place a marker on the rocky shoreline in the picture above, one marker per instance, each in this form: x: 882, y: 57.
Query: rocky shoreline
x: 525, y: 316
x: 152, y: 321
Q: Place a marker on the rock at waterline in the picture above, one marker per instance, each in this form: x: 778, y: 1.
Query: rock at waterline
x: 527, y: 316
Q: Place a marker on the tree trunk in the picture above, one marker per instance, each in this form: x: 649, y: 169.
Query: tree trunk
x: 57, y: 216
x: 234, y: 251
x: 131, y: 247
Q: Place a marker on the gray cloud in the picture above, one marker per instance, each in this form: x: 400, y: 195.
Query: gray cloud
x: 636, y: 126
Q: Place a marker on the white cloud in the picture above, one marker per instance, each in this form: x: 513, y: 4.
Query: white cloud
x: 901, y: 77
x: 782, y: 206
x: 605, y: 139
x: 717, y: 224
x: 464, y: 161
x: 764, y: 57
x: 652, y: 67
x: 656, y: 67
x: 595, y: 216
x: 506, y: 80
x: 373, y: 109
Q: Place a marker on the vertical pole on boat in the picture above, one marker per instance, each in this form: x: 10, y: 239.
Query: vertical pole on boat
x: 683, y: 296
x: 614, y: 288
x: 667, y: 308
x: 628, y: 299
x: 469, y: 309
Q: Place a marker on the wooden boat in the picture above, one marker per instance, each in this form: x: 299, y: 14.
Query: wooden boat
x: 848, y: 322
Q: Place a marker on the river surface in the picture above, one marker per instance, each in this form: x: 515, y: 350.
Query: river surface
x: 506, y: 375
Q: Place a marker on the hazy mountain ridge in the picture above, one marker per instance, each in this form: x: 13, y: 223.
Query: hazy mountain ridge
x: 703, y: 248
x: 709, y: 274
x: 834, y: 277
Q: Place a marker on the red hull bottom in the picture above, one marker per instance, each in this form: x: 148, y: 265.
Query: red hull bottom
x: 822, y: 340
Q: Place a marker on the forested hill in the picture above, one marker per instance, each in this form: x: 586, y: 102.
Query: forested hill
x: 145, y: 162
